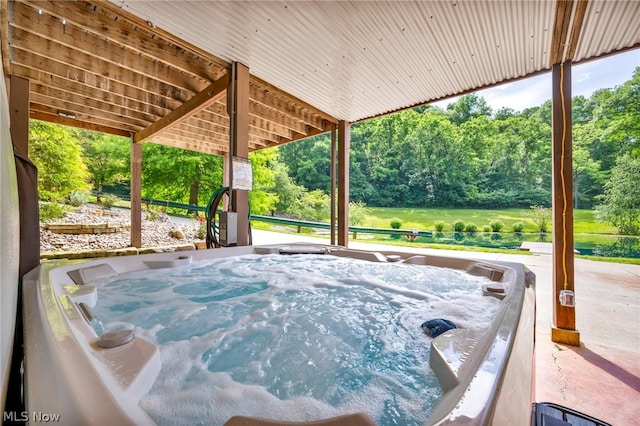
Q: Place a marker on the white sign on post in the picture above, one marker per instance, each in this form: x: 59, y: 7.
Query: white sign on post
x: 242, y: 174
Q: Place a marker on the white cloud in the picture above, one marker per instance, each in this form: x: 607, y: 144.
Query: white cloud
x: 608, y: 72
x: 582, y: 77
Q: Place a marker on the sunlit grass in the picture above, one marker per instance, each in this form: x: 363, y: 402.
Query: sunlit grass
x: 625, y: 260
x: 379, y: 217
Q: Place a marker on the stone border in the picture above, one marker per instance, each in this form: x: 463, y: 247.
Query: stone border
x: 83, y: 228
x: 128, y: 251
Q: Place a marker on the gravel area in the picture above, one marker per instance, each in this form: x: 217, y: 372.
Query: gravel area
x: 161, y: 231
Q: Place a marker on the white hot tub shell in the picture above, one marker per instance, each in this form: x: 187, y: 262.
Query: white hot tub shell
x: 486, y: 377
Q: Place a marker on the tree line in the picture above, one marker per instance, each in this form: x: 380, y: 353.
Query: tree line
x: 463, y: 156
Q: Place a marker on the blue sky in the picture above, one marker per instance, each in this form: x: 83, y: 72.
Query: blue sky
x: 608, y: 72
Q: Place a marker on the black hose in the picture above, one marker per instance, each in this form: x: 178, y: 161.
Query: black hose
x: 213, y: 229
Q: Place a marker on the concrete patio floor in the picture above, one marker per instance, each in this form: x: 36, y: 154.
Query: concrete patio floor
x: 601, y: 378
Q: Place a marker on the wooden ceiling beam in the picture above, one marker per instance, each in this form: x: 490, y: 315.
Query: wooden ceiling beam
x: 208, y: 115
x: 114, y: 24
x: 264, y: 135
x: 180, y: 139
x: 257, y: 143
x: 293, y: 100
x: 89, y: 113
x: 178, y: 135
x: 269, y: 117
x: 70, y: 57
x: 38, y: 102
x: 118, y: 74
x: 83, y: 103
x: 205, y: 122
x: 258, y: 126
x: 36, y: 115
x: 191, y: 130
x: 263, y: 96
x: 93, y: 46
x: 312, y: 132
x: 45, y: 113
x: 115, y: 100
x: 217, y: 112
x: 191, y: 146
x: 560, y: 33
x: 277, y: 117
x: 27, y: 65
x: 205, y: 129
x: 576, y: 28
x: 269, y: 127
x: 4, y: 37
x: 202, y: 100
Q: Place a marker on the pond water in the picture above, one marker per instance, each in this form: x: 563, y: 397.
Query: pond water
x: 588, y: 244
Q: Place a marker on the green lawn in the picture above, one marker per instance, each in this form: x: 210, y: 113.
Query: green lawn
x: 380, y: 217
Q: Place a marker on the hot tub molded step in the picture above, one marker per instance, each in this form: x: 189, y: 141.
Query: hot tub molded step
x: 450, y: 354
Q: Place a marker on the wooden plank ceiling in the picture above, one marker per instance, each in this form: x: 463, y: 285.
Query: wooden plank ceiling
x: 93, y: 65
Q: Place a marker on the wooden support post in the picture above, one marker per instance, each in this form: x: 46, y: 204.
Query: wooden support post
x: 19, y: 114
x: 564, y: 317
x: 136, y: 194
x: 238, y: 108
x: 27, y: 176
x: 344, y: 143
x: 332, y: 175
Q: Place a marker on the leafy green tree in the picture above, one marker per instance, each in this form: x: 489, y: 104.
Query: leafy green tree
x: 434, y: 147
x: 315, y: 205
x: 517, y: 164
x: 262, y: 197
x: 287, y: 192
x: 58, y: 156
x: 581, y: 110
x: 107, y: 158
x: 179, y: 175
x: 468, y: 107
x: 612, y: 131
x: 504, y: 113
x: 621, y: 200
x: 309, y: 162
x: 541, y: 113
x: 541, y: 216
x: 357, y: 212
x: 588, y: 176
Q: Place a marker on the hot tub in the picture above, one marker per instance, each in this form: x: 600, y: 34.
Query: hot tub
x: 77, y: 372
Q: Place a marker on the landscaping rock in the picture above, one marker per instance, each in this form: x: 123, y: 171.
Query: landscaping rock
x: 155, y: 233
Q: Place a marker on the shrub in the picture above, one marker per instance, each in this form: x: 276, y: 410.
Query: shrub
x: 357, y: 212
x: 439, y: 225
x: 77, y: 198
x: 152, y: 215
x: 396, y: 223
x: 458, y: 225
x: 50, y: 211
x: 109, y: 200
x: 201, y: 231
x: 471, y: 227
x: 518, y: 227
x: 496, y: 225
x: 541, y: 216
x: 486, y: 228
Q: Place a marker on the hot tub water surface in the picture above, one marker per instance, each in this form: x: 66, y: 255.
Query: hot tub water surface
x: 294, y: 338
